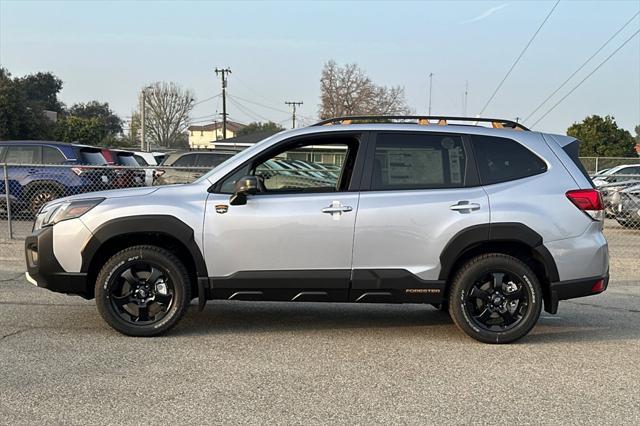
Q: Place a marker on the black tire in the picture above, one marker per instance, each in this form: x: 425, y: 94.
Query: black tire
x: 628, y: 223
x: 42, y: 195
x: 144, y: 282
x: 495, y: 298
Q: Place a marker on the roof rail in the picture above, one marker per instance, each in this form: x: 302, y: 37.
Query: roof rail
x: 442, y: 120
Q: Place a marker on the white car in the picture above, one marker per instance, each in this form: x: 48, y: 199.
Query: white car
x: 617, y: 174
x: 148, y: 159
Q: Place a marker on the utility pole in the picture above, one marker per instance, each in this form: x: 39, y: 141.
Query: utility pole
x: 430, y: 87
x: 224, y: 72
x: 143, y: 104
x: 466, y: 95
x: 293, y: 105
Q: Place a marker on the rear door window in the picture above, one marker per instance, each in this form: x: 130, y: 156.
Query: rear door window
x: 418, y: 161
x: 140, y: 160
x: 188, y: 160
x: 211, y: 160
x: 23, y: 155
x: 52, y: 155
x: 503, y: 160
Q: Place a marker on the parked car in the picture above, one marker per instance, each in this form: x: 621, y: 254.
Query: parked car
x: 125, y: 177
x: 148, y: 159
x: 36, y: 178
x: 627, y: 207
x: 611, y: 194
x: 618, y: 174
x: 195, y: 163
x: 487, y: 223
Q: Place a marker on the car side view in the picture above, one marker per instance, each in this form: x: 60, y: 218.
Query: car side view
x: 487, y: 223
x: 34, y: 179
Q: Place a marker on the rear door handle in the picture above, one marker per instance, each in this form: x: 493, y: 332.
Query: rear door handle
x: 465, y: 206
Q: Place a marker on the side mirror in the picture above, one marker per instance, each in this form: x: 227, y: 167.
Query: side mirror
x: 247, y: 185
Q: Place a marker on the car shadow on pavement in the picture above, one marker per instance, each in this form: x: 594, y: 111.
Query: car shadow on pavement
x: 266, y: 317
x: 226, y: 317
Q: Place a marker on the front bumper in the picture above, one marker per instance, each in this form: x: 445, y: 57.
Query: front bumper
x: 572, y: 289
x: 44, y: 270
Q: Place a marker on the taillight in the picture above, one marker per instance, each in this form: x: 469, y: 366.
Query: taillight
x: 158, y: 173
x: 589, y: 201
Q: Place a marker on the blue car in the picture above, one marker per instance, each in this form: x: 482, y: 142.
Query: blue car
x: 35, y: 174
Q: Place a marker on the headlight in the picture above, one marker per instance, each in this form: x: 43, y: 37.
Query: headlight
x: 50, y: 214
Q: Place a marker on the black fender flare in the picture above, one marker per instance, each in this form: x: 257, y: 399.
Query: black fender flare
x: 149, y: 224
x: 473, y: 236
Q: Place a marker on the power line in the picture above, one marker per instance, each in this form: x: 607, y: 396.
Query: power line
x: 581, y: 66
x: 208, y: 99
x: 246, y: 110
x: 585, y: 79
x: 519, y: 57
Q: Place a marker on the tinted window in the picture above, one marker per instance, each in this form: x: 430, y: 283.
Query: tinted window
x: 628, y: 171
x: 418, y: 161
x: 572, y: 150
x: 126, y: 160
x: 52, y: 155
x: 502, y: 160
x: 211, y: 160
x: 140, y: 160
x: 185, y: 161
x: 23, y: 155
x: 91, y: 156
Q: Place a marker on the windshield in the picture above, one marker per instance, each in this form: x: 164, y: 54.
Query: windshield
x: 242, y: 154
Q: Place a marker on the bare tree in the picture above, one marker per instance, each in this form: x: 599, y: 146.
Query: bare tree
x: 348, y: 90
x: 167, y: 113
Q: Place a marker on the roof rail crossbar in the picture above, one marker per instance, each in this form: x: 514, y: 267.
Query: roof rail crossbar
x: 497, y: 123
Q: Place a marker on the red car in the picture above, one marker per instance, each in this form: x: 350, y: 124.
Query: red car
x: 125, y: 177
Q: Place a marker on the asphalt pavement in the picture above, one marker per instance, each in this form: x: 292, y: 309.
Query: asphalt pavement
x: 285, y: 363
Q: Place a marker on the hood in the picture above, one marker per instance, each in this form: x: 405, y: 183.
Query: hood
x: 112, y: 193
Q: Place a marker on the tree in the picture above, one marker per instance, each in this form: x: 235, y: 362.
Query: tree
x: 89, y: 131
x: 348, y: 90
x: 101, y: 111
x: 167, y: 114
x: 22, y: 105
x: 601, y: 137
x: 42, y: 89
x: 255, y: 127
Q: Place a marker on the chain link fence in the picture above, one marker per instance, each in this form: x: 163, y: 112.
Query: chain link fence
x: 31, y: 185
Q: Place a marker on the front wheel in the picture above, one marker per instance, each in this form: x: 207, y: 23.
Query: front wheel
x: 143, y: 291
x: 495, y: 298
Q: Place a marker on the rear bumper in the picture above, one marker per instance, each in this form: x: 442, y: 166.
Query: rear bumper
x: 572, y: 289
x: 43, y: 268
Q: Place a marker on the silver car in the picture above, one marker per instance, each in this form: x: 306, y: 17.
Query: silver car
x: 489, y: 224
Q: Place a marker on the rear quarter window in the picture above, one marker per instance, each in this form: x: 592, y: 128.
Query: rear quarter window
x: 503, y: 160
x: 52, y: 155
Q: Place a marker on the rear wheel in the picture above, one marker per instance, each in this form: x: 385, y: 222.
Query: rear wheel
x: 495, y: 298
x: 143, y: 291
x: 40, y: 196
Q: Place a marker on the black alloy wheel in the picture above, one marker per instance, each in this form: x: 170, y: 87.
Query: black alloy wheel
x: 143, y: 291
x: 495, y: 298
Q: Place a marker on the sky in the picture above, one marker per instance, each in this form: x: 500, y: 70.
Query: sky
x: 108, y: 51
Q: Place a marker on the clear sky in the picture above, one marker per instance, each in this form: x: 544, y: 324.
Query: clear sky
x: 109, y: 50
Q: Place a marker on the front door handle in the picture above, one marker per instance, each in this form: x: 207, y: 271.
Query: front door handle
x: 336, y: 209
x: 465, y: 207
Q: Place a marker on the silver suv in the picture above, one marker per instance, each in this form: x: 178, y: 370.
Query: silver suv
x: 486, y: 223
